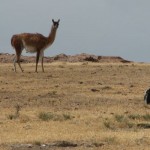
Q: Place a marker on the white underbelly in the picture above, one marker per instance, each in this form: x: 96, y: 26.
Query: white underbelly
x: 33, y: 49
x: 29, y: 48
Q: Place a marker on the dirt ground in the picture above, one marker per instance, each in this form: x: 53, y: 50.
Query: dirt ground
x: 74, y: 106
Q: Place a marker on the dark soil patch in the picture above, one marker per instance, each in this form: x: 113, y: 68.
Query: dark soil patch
x: 56, y: 145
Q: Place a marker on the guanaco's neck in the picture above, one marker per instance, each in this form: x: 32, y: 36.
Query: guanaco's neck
x: 52, y: 35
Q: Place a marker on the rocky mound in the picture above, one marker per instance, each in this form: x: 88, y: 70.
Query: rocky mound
x: 8, y: 58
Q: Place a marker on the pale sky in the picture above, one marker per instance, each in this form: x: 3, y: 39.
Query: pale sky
x: 100, y: 27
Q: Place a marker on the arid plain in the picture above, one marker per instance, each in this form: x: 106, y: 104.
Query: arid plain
x: 82, y: 105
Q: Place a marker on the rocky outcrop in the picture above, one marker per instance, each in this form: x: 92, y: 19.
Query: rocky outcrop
x: 8, y: 58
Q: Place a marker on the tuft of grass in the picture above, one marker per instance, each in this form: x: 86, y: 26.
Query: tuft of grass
x: 119, y: 122
x: 67, y: 117
x: 46, y: 116
x: 146, y: 117
x: 109, y: 125
x: 120, y: 118
x: 134, y: 117
x: 130, y: 125
x: 143, y: 125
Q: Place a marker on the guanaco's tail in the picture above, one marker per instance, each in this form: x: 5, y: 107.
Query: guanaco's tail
x: 12, y: 40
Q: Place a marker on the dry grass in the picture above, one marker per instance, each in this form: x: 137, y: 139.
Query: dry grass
x: 89, y: 103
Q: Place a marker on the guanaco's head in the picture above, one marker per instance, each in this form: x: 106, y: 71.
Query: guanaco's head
x: 55, y: 23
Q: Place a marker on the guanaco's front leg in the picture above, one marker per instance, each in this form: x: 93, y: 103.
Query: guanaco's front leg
x: 37, y: 59
x: 42, y: 59
x: 42, y: 64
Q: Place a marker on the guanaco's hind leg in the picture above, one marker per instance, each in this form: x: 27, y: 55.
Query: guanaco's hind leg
x: 17, y: 59
x: 17, y: 45
x: 18, y: 49
x: 14, y: 60
x: 20, y: 65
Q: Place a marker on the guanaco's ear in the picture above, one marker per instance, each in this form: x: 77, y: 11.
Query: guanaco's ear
x: 53, y: 20
x: 58, y: 20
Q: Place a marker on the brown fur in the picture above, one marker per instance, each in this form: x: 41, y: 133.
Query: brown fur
x: 33, y: 43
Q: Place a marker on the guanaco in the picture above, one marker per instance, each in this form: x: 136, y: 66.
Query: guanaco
x: 33, y: 43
